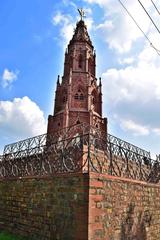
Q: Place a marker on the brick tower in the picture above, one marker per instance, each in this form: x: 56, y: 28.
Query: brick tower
x: 78, y: 96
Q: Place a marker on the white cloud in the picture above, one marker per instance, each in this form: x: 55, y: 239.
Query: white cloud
x: 136, y: 129
x: 100, y: 2
x: 133, y: 83
x: 156, y: 131
x: 66, y: 24
x: 9, y: 77
x: 128, y: 60
x: 133, y: 95
x: 117, y: 28
x: 21, y: 118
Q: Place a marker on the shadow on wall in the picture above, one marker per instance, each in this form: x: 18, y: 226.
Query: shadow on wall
x: 62, y: 225
x: 134, y: 225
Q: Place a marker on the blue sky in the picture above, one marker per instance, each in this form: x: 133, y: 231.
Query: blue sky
x: 34, y: 34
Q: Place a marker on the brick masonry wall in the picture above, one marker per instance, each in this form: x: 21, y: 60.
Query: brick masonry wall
x: 45, y: 208
x: 122, y: 209
x: 80, y: 207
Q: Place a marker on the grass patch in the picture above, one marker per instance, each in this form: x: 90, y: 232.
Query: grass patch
x: 6, y: 236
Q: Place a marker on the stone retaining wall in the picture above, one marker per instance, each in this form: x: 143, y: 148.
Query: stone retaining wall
x: 45, y: 208
x: 80, y: 207
x: 123, y: 209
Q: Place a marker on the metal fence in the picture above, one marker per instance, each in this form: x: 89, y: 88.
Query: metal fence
x: 80, y: 148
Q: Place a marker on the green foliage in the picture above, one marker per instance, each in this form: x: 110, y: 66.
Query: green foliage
x: 5, y: 236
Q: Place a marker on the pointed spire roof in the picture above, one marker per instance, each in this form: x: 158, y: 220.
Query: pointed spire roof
x: 81, y: 34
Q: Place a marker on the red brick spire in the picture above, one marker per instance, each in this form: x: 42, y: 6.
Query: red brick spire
x: 78, y: 97
x: 81, y: 34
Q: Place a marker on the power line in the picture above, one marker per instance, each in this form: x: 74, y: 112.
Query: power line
x: 134, y: 21
x: 155, y: 7
x: 158, y: 51
x: 149, y: 16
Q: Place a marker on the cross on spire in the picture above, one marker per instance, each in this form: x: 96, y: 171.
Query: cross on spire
x: 81, y: 13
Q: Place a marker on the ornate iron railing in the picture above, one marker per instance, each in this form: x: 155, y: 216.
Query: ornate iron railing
x: 127, y: 146
x: 25, y: 148
x: 80, y: 148
x: 40, y: 141
x: 127, y: 160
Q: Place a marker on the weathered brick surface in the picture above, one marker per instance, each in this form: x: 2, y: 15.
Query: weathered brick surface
x: 47, y: 208
x: 80, y: 207
x: 122, y: 209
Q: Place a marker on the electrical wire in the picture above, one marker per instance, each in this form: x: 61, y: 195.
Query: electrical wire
x: 149, y: 16
x: 158, y: 51
x: 155, y: 7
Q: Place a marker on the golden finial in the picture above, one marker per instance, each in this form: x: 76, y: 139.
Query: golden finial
x: 81, y: 13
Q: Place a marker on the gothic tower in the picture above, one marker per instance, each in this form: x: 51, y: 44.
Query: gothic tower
x: 78, y: 96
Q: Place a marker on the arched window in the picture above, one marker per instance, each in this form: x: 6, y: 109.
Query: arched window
x: 64, y: 96
x: 91, y: 65
x: 71, y: 61
x: 79, y: 95
x: 76, y: 96
x: 94, y: 100
x: 64, y: 99
x: 78, y: 122
x: 80, y: 60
